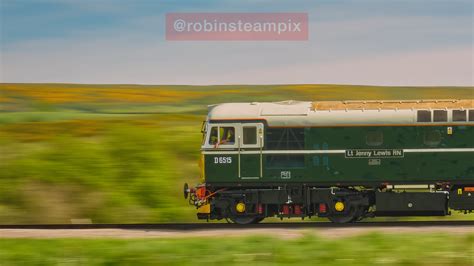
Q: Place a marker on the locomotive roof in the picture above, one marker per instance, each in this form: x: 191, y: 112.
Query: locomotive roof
x: 391, y: 104
x: 320, y: 113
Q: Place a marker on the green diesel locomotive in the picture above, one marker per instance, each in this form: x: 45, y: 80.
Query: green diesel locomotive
x: 344, y: 160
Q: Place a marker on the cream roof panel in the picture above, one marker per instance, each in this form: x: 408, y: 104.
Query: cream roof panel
x: 294, y: 113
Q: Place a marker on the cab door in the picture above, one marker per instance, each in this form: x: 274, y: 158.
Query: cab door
x: 250, y: 150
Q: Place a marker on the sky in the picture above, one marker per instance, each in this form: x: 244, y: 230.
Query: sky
x: 367, y: 42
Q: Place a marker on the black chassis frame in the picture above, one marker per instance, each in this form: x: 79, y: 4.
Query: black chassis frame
x: 273, y: 196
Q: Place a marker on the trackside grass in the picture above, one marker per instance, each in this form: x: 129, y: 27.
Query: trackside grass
x: 369, y: 249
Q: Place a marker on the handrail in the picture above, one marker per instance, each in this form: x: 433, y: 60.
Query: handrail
x: 238, y: 156
x: 261, y: 156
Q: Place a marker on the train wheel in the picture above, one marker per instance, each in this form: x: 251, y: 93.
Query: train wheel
x: 352, y: 215
x: 246, y: 220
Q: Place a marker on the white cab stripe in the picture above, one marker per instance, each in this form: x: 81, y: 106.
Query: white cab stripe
x: 332, y: 151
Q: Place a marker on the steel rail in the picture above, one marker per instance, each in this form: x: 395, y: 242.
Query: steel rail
x: 214, y: 226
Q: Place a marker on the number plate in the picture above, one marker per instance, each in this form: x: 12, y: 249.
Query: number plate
x: 222, y: 160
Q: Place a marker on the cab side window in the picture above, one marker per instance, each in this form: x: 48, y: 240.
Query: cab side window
x: 250, y: 135
x: 222, y: 136
x: 213, y: 138
x: 227, y: 135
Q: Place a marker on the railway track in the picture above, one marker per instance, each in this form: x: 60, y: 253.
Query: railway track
x: 226, y: 226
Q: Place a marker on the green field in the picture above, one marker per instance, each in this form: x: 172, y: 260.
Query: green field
x: 370, y: 249
x: 120, y: 153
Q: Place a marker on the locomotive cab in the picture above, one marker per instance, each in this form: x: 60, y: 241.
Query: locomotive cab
x: 233, y: 149
x: 232, y: 136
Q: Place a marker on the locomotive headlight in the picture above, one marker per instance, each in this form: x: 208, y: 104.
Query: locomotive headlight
x: 240, y: 207
x: 339, y: 206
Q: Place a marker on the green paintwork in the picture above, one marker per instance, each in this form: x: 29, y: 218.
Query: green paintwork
x: 217, y: 171
x: 250, y: 165
x: 334, y: 168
